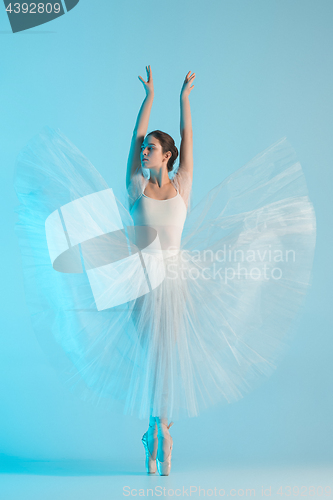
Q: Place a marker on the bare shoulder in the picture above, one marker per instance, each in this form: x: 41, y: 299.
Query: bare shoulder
x: 136, y: 186
x: 184, y: 174
x: 136, y: 176
x: 183, y: 181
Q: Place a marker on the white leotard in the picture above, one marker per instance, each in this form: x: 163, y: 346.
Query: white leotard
x: 166, y: 216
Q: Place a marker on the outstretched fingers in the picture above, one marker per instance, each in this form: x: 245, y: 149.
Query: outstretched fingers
x: 187, y: 85
x: 148, y: 85
x: 149, y: 75
x: 189, y: 78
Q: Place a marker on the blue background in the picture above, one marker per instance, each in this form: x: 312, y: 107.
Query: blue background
x: 263, y: 71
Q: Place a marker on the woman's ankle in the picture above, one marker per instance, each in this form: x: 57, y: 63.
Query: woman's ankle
x: 162, y: 426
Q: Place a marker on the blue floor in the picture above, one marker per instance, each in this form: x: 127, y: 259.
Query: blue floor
x: 84, y: 480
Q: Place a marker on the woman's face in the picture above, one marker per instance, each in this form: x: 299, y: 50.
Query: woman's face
x: 152, y: 155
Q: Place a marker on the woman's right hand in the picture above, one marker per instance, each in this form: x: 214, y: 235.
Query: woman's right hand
x: 148, y: 85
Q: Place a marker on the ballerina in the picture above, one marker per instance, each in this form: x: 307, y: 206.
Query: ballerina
x: 157, y: 153
x: 198, y: 304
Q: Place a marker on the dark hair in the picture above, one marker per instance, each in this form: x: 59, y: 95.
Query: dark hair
x: 168, y: 144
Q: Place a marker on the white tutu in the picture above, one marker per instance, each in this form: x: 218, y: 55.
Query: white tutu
x: 216, y: 314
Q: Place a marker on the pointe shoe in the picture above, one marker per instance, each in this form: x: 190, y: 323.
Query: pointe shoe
x: 165, y: 466
x: 150, y: 461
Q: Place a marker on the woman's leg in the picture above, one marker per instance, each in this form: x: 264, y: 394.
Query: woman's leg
x: 152, y: 436
x: 164, y: 438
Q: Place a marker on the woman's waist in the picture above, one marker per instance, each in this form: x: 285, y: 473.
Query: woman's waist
x: 167, y: 238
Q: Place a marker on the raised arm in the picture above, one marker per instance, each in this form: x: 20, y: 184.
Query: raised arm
x: 186, y: 145
x: 141, y: 127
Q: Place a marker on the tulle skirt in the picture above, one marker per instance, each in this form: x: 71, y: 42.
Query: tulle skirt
x: 215, y: 321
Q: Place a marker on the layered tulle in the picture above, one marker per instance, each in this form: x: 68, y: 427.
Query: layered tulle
x: 214, y: 324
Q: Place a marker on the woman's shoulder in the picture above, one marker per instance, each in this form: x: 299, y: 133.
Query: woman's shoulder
x: 138, y: 177
x: 182, y: 179
x: 183, y: 174
x: 136, y: 185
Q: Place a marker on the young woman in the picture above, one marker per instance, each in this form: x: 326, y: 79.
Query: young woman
x: 167, y: 307
x: 161, y: 204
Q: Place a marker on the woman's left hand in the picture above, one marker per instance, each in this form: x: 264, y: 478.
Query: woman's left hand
x: 187, y: 87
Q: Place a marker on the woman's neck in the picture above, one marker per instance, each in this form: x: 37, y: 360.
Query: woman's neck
x: 159, y: 177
